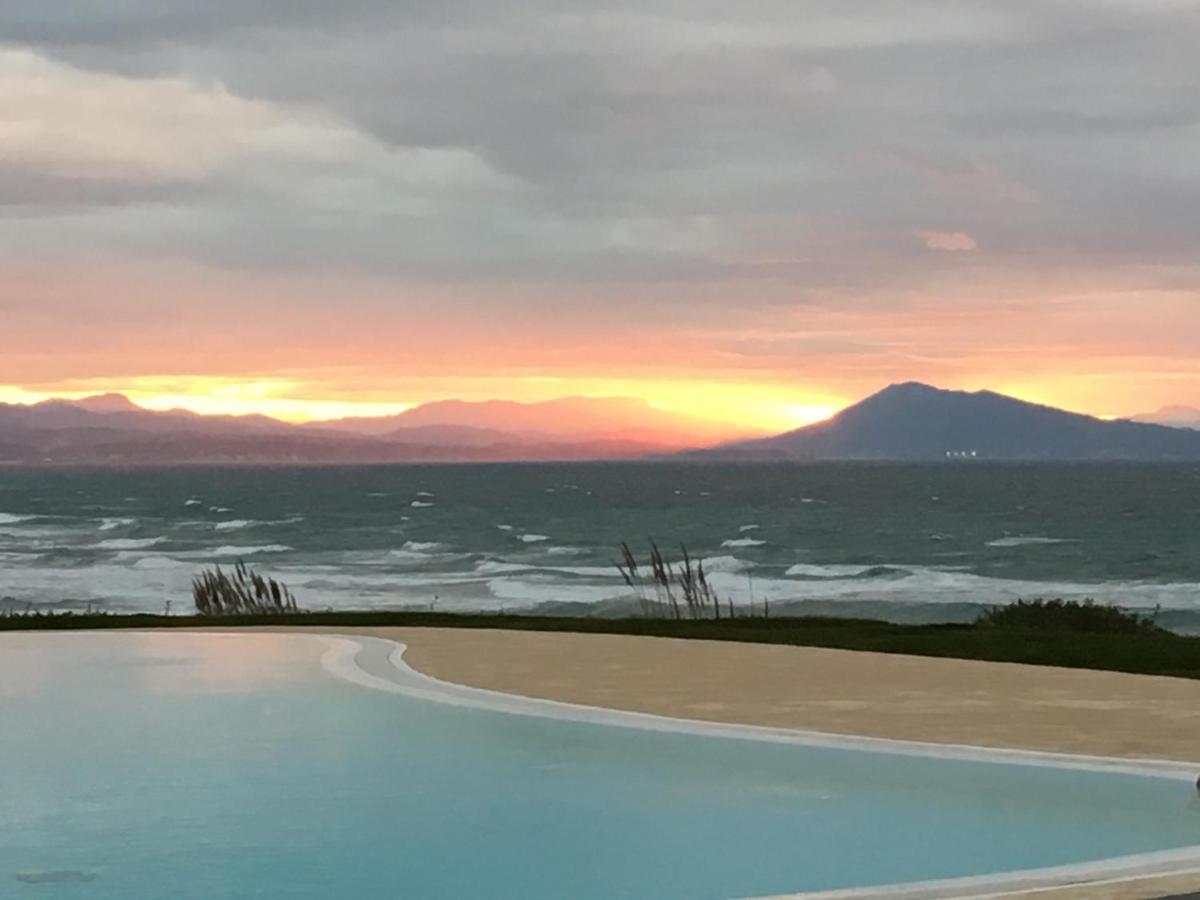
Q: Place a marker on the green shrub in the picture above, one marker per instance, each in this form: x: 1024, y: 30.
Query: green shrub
x: 1067, y: 615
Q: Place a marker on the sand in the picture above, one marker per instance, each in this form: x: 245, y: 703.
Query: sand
x: 875, y: 694
x: 878, y: 695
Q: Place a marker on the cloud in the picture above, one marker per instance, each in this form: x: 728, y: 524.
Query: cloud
x: 60, y: 123
x: 589, y: 165
x: 949, y: 241
x: 565, y: 140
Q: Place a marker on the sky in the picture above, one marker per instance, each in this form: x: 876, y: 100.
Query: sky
x: 755, y: 212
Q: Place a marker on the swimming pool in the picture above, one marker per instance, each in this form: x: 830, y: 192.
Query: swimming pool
x: 147, y: 765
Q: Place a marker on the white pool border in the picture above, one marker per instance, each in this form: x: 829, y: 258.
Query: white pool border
x: 341, y: 659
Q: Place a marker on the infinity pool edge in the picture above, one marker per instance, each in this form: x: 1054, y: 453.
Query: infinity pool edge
x: 378, y: 663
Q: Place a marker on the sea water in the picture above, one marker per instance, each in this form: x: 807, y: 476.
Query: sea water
x: 911, y: 542
x: 154, y: 765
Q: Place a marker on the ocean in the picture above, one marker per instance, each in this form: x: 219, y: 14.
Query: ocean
x: 933, y: 542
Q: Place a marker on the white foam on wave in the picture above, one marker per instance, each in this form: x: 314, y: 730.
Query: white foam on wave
x: 420, y: 504
x: 742, y: 542
x: 250, y: 550
x: 1027, y: 541
x: 564, y: 551
x: 426, y: 494
x: 919, y: 584
x: 114, y: 524
x: 534, y: 538
x: 526, y: 593
x: 193, y: 501
x: 500, y: 567
x: 10, y: 519
x: 505, y: 527
x: 235, y: 524
x: 493, y: 567
x: 423, y: 546
x: 130, y: 543
x: 807, y: 570
x: 219, y: 509
x: 154, y: 562
x: 725, y: 564
x: 746, y: 528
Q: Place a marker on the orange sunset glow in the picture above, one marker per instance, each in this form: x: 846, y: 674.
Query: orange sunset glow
x: 755, y: 241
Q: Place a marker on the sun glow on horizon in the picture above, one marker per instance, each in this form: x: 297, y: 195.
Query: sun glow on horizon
x: 733, y: 408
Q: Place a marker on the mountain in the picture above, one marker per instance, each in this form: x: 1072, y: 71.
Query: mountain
x: 917, y: 422
x: 1174, y: 416
x: 111, y: 430
x: 106, y: 403
x: 117, y: 411
x: 565, y: 419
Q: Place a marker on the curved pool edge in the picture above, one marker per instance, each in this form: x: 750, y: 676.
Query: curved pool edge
x: 378, y: 663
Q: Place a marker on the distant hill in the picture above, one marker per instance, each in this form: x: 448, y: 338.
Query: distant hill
x: 565, y: 419
x: 111, y: 430
x: 917, y: 422
x: 1174, y: 416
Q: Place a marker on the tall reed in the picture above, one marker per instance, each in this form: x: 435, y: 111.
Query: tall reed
x: 242, y: 592
x: 679, y: 590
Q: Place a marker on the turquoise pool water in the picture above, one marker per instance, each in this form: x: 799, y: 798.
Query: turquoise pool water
x: 202, y: 766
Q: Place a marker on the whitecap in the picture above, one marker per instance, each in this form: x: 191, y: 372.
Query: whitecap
x: 234, y: 550
x: 806, y: 570
x: 1030, y: 541
x: 234, y: 524
x: 746, y: 528
x: 423, y: 546
x: 564, y: 551
x: 725, y: 564
x: 525, y: 593
x: 426, y: 494
x: 191, y: 502
x: 10, y: 519
x: 505, y: 527
x: 158, y: 562
x: 742, y: 542
x: 114, y: 524
x: 419, y: 504
x: 219, y: 509
x: 499, y: 567
x: 534, y: 538
x: 131, y: 543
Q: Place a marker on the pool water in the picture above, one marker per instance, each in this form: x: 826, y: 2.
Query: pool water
x: 152, y: 765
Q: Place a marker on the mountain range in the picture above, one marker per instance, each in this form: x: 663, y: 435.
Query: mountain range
x: 908, y: 421
x: 111, y: 429
x: 1175, y: 416
x: 914, y: 421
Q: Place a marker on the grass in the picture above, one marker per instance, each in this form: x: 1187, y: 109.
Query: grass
x: 1055, y: 640
x: 240, y: 592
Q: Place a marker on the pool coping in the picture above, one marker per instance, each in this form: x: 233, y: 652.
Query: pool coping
x: 378, y: 663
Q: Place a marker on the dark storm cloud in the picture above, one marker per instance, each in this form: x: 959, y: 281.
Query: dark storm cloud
x: 808, y: 142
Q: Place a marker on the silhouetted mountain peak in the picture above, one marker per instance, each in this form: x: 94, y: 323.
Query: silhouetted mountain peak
x: 914, y: 421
